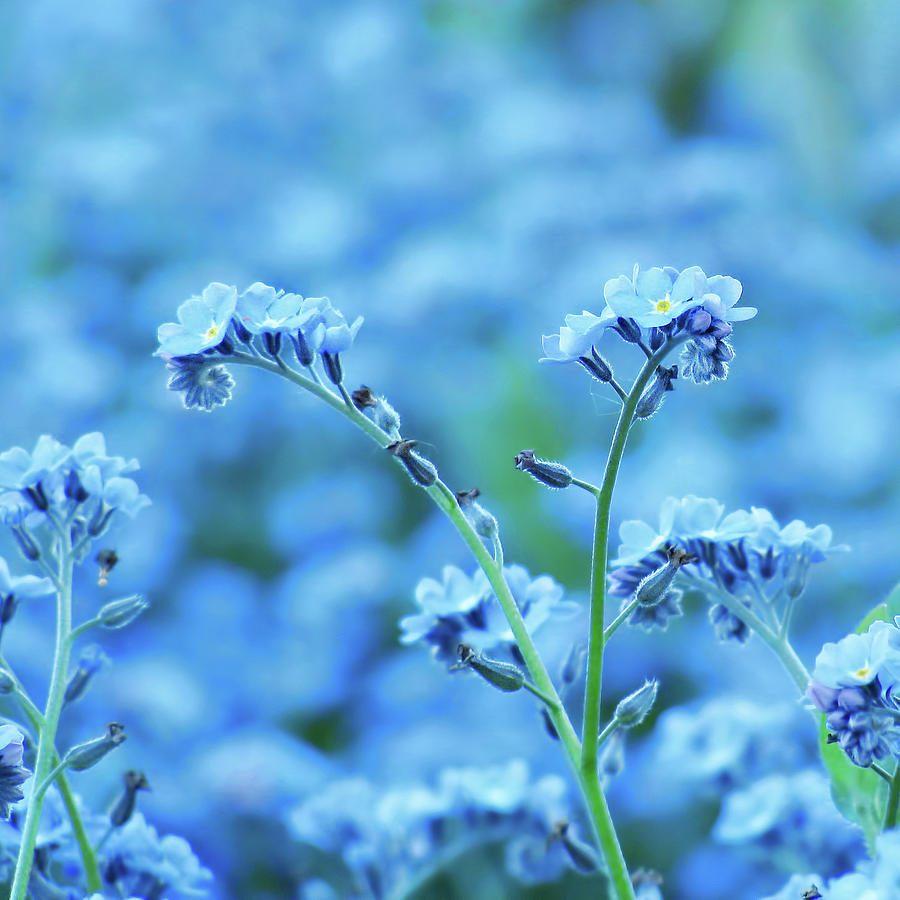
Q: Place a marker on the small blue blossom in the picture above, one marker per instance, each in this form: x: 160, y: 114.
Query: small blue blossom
x: 261, y: 308
x: 205, y: 385
x: 338, y: 335
x: 576, y: 337
x: 23, y: 585
x: 853, y: 661
x: 658, y: 614
x: 202, y: 322
x: 466, y: 610
x: 137, y: 859
x: 655, y: 296
x: 12, y: 773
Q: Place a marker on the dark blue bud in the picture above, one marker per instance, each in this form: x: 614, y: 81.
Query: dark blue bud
x: 240, y: 330
x: 706, y: 343
x: 74, y: 488
x: 332, y: 362
x: 628, y: 329
x: 698, y: 320
x: 553, y: 474
x: 612, y: 755
x: 795, y: 574
x: 272, y: 342
x: 597, y: 366
x: 720, y: 329
x: 549, y: 727
x: 504, y: 676
x: 124, y: 807
x: 738, y: 555
x: 727, y: 626
x: 724, y: 352
x: 100, y: 520
x: 377, y: 409
x: 729, y: 579
x: 582, y: 855
x: 657, y: 338
x: 7, y: 684
x: 26, y: 543
x: 9, y: 603
x: 655, y: 586
x: 574, y: 664
x: 91, y: 752
x: 225, y: 346
x: 480, y: 519
x: 767, y: 563
x: 302, y: 351
x: 91, y: 661
x: 652, y: 398
x: 421, y: 470
x: 37, y: 496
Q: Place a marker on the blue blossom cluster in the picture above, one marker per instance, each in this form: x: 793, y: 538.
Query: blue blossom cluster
x: 877, y: 878
x: 745, y: 554
x: 856, y: 683
x: 394, y: 839
x: 260, y: 322
x: 463, y: 609
x: 80, y: 486
x: 668, y: 304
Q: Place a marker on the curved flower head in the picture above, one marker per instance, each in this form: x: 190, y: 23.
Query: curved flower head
x: 656, y: 296
x: 204, y: 385
x: 12, y: 773
x: 576, y: 337
x: 202, y: 322
x: 261, y: 308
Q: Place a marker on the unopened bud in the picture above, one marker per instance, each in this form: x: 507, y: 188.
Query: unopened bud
x: 582, y: 855
x: 240, y: 330
x: 479, y: 518
x: 26, y: 543
x: 332, y: 363
x: 378, y: 410
x: 92, y: 659
x: 9, y: 603
x: 653, y: 588
x: 122, y: 612
x: 553, y: 474
x: 124, y: 808
x: 421, y: 470
x: 597, y: 366
x: 100, y: 520
x: 91, y: 752
x: 633, y: 709
x: 657, y: 338
x: 628, y: 329
x: 35, y: 493
x: 7, y: 683
x: 612, y: 756
x: 502, y: 675
x: 302, y: 350
x: 74, y: 489
x: 272, y: 343
x: 652, y: 398
x: 795, y: 576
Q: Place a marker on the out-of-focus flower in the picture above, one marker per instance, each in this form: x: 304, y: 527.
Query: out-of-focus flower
x: 12, y: 773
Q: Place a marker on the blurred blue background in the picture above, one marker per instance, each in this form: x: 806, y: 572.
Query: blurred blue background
x: 463, y: 174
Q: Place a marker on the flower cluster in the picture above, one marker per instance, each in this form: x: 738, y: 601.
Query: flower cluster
x: 856, y: 683
x: 79, y: 485
x: 461, y: 609
x: 745, y: 554
x: 669, y: 304
x: 395, y: 839
x: 259, y: 323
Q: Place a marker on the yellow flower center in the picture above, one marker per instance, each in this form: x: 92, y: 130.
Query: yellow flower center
x: 863, y: 672
x: 212, y: 331
x: 663, y: 305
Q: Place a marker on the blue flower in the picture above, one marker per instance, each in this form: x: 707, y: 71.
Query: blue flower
x: 205, y: 384
x: 853, y: 661
x: 23, y: 585
x: 338, y: 335
x: 137, y: 859
x: 202, y: 322
x: 261, y: 308
x: 656, y: 296
x: 12, y: 773
x: 466, y: 610
x: 576, y: 337
x: 20, y: 469
x: 657, y: 615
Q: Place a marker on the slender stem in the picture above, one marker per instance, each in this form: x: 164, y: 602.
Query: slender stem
x: 891, y: 816
x: 538, y: 693
x: 625, y: 612
x: 592, y: 695
x: 84, y: 627
x: 46, y: 753
x: 445, y: 500
x: 776, y: 642
x: 611, y: 726
x: 618, y: 389
x: 881, y: 772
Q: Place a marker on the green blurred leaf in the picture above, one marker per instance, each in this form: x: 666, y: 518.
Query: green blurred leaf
x: 858, y: 793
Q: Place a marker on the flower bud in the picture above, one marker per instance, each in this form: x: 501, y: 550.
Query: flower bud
x: 89, y: 753
x: 26, y: 543
x: 36, y: 495
x: 582, y: 855
x: 652, y: 588
x: 502, y: 675
x: 91, y: 661
x: 652, y: 398
x: 332, y: 363
x: 7, y: 684
x: 74, y: 489
x: 124, y: 808
x: 378, y: 410
x: 738, y: 555
x: 480, y: 519
x: 302, y: 350
x: 727, y: 626
x: 553, y: 474
x: 628, y: 329
x: 272, y: 343
x: 240, y: 330
x: 795, y: 576
x: 9, y: 603
x: 100, y: 520
x: 657, y: 338
x: 632, y: 710
x: 122, y: 612
x: 597, y: 366
x: 421, y: 470
x: 612, y: 756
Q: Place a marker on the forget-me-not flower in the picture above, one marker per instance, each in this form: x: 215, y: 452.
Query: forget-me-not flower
x: 655, y: 296
x: 202, y: 322
x: 576, y: 337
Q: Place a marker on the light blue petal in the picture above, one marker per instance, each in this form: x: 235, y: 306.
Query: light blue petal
x: 653, y: 284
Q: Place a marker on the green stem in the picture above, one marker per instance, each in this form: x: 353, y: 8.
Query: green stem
x: 592, y: 695
x: 611, y: 726
x: 46, y: 753
x: 624, y: 613
x: 445, y: 500
x: 776, y: 642
x: 891, y: 816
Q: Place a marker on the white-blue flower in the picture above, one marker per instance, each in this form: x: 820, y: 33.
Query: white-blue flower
x: 656, y: 296
x: 576, y: 337
x: 261, y: 308
x: 202, y: 322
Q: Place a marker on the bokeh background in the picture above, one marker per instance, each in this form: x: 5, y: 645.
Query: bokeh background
x: 463, y: 174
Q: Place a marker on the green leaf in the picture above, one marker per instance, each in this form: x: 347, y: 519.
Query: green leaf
x: 859, y: 793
